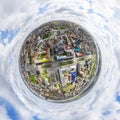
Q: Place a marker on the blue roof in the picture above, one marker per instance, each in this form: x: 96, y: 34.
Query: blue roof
x: 74, y: 76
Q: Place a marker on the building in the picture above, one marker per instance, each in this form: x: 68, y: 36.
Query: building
x: 67, y: 74
x: 77, y: 49
x: 87, y: 49
x: 60, y: 43
x: 48, y: 53
x: 70, y: 77
x: 63, y: 57
x: 74, y: 76
x: 59, y: 50
x: 80, y: 54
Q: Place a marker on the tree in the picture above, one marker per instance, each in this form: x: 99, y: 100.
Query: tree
x: 37, y: 72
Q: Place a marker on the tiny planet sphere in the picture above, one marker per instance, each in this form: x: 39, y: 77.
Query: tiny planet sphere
x: 59, y: 61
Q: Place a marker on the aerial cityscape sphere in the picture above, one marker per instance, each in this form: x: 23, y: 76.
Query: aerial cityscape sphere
x: 59, y: 61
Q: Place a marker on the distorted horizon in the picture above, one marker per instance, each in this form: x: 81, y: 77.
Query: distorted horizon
x: 100, y: 19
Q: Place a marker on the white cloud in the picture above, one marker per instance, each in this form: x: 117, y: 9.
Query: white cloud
x: 14, y: 13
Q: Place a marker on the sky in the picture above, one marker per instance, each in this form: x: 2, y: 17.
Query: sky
x: 100, y: 18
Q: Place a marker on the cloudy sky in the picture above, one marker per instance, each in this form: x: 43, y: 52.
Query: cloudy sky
x: 100, y: 17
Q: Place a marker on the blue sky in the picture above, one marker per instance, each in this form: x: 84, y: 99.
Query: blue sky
x: 10, y: 34
x: 118, y: 98
x: 11, y: 111
x: 105, y: 113
x: 43, y: 9
x: 36, y: 118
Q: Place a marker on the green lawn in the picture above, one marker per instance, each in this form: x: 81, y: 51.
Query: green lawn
x: 45, y: 75
x: 92, y: 71
x: 46, y: 35
x: 33, y: 79
x: 66, y: 63
x: 63, y: 27
x: 89, y: 59
x: 30, y: 58
x: 81, y: 59
x: 67, y: 88
x: 41, y: 56
x: 57, y: 77
x: 46, y: 66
